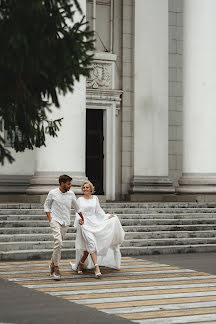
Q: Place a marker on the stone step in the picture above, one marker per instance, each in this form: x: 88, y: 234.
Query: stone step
x: 160, y: 205
x: 156, y: 205
x: 124, y: 222
x: 32, y: 245
x: 170, y: 249
x: 68, y: 244
x: 120, y: 205
x: 170, y: 228
x: 160, y: 210
x: 121, y: 217
x: 169, y: 241
x: 33, y: 237
x: 29, y: 230
x: 117, y: 211
x: 147, y: 228
x: 128, y: 236
x: 45, y: 254
x: 156, y: 221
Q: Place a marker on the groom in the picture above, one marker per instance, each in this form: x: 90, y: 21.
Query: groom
x: 57, y: 207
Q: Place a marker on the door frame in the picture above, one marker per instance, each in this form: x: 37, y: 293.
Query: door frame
x: 109, y: 102
x: 109, y: 150
x: 101, y: 171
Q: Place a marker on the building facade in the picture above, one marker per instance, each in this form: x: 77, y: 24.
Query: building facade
x: 127, y: 127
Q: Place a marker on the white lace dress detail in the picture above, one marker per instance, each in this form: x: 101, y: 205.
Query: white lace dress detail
x: 99, y: 233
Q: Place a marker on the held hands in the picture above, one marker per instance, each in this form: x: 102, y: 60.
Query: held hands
x: 81, y: 222
x: 111, y: 216
x: 82, y: 218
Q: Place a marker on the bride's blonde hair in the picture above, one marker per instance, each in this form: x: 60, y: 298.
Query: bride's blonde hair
x: 90, y: 184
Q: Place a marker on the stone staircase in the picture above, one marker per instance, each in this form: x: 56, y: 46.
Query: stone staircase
x: 151, y: 228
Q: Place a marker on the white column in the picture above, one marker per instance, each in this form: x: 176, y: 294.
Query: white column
x: 199, y: 110
x: 64, y: 154
x: 151, y: 98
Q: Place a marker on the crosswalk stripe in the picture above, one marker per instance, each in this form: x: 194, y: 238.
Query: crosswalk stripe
x: 180, y: 320
x: 128, y: 269
x: 109, y: 291
x: 159, y: 314
x: 64, y: 268
x: 162, y: 306
x: 142, y: 297
x: 132, y: 293
x: 109, y: 277
x: 127, y: 259
x: 121, y: 284
x: 151, y: 302
x: 204, y: 322
x: 44, y: 266
x: 129, y: 272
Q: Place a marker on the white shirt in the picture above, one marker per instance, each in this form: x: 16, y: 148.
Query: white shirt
x: 59, y: 205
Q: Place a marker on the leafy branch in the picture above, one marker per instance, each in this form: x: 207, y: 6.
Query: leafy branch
x: 44, y: 57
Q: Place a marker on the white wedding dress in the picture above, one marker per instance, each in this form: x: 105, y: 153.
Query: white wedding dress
x: 98, y: 233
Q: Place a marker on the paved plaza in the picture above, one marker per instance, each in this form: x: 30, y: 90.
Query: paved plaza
x: 146, y: 290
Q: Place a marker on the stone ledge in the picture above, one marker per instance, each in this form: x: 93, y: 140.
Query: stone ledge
x: 197, y: 183
x: 14, y: 183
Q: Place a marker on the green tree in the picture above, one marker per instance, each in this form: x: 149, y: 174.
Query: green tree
x: 43, y: 52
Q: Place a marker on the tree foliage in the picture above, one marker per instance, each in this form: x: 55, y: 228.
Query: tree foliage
x: 43, y: 52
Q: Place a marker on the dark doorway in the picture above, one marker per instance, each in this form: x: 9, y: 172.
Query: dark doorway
x: 94, y: 148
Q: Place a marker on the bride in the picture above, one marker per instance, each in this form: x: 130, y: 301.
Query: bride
x: 99, y: 236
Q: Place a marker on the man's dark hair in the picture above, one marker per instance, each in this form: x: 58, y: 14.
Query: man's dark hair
x: 64, y: 178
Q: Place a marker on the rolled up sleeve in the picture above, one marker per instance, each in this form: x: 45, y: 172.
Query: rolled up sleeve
x: 48, y: 203
x: 75, y: 205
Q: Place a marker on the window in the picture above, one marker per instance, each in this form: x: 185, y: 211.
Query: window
x: 100, y: 17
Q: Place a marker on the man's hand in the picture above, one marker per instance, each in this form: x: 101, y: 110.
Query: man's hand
x: 81, y: 222
x: 81, y: 215
x: 49, y: 216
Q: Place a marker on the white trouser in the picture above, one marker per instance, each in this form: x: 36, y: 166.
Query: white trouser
x: 58, y: 232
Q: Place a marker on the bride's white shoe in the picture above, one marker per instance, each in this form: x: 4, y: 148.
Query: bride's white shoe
x: 97, y: 274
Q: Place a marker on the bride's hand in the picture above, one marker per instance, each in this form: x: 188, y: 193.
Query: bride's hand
x: 111, y: 216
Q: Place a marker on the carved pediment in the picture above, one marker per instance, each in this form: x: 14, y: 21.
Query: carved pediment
x: 100, y: 76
